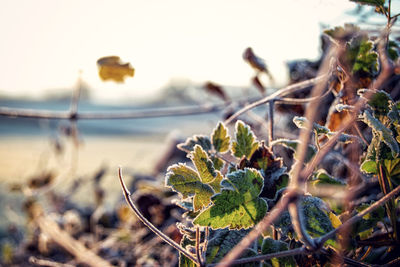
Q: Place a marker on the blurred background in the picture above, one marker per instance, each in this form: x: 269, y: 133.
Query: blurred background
x: 50, y: 48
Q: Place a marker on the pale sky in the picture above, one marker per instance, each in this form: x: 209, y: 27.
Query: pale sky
x: 45, y: 43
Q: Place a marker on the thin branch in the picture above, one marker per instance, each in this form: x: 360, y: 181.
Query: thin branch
x: 275, y: 96
x: 257, y: 230
x: 321, y: 240
x: 73, y: 110
x: 280, y: 254
x: 131, y: 114
x: 148, y: 224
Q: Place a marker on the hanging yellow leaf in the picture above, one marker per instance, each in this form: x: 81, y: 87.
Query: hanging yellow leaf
x: 111, y: 68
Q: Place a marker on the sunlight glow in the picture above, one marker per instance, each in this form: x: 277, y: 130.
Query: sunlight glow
x: 46, y: 43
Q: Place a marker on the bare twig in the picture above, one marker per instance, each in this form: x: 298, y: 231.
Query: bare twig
x: 148, y: 224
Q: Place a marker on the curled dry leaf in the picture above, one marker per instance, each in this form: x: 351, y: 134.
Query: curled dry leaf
x: 111, y: 68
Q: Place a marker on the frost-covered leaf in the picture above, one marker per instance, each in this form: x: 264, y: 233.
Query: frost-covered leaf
x: 203, y: 141
x: 238, y: 205
x: 380, y: 102
x: 292, y: 144
x: 382, y: 132
x: 316, y: 217
x: 245, y: 143
x: 301, y: 122
x: 323, y: 178
x: 222, y: 241
x: 204, y: 165
x: 220, y: 138
x: 270, y: 168
x: 269, y: 246
x: 187, y: 182
x: 111, y: 68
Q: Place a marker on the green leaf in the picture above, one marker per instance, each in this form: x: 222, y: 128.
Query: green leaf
x: 220, y: 138
x: 187, y: 182
x: 292, y: 144
x: 393, y: 170
x: 222, y: 241
x: 369, y: 166
x: 301, y: 122
x: 218, y: 163
x: 204, y: 165
x: 382, y: 133
x: 269, y: 246
x: 203, y: 141
x: 323, y: 178
x: 238, y: 205
x: 245, y: 143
